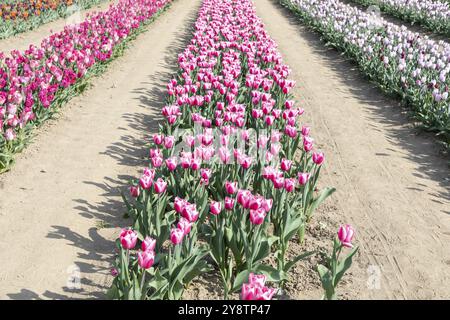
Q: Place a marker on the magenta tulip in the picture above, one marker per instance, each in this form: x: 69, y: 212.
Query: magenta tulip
x: 231, y: 187
x: 148, y: 244
x: 176, y: 236
x: 184, y: 225
x: 171, y: 163
x: 158, y: 139
x: 257, y: 216
x: 229, y: 203
x: 146, y: 259
x: 134, y: 191
x: 160, y: 185
x: 190, y: 212
x: 128, y: 238
x: 286, y: 164
x: 215, y: 207
x: 303, y: 178
x: 318, y: 158
x: 345, y: 235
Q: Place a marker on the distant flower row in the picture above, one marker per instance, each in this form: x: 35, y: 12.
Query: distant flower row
x: 34, y: 82
x: 432, y: 14
x: 18, y: 16
x: 402, y: 62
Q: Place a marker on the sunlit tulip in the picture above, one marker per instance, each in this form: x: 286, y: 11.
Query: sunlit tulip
x: 285, y: 164
x: 215, y: 207
x: 128, y: 238
x: 257, y: 216
x: 190, y: 212
x: 176, y: 236
x: 148, y: 244
x: 160, y: 185
x: 345, y: 235
x: 289, y: 184
x: 171, y: 163
x: 229, y: 203
x: 318, y: 158
x: 134, y: 191
x: 303, y: 178
x: 231, y: 187
x: 158, y: 139
x: 145, y: 182
x: 184, y: 225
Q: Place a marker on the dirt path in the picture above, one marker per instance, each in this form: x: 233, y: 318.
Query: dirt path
x: 391, y: 183
x: 63, y: 190
x: 23, y: 40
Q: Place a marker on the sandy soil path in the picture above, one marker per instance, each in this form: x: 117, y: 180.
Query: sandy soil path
x: 392, y: 184
x: 23, y: 40
x: 63, y: 191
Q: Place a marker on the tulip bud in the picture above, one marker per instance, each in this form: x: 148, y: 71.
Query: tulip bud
x: 128, y: 238
x: 160, y: 186
x: 231, y: 187
x: 176, y: 236
x: 303, y: 178
x: 345, y: 235
x: 148, y: 244
x: 134, y: 191
x: 257, y: 216
x: 229, y: 203
x: 215, y: 207
x: 286, y: 164
x: 146, y: 259
x: 318, y: 158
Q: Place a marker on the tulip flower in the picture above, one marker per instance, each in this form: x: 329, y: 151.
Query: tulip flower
x: 190, y: 212
x: 244, y: 197
x: 158, y: 139
x: 229, y: 203
x: 318, y: 158
x: 345, y: 235
x: 160, y: 185
x: 114, y: 272
x: 286, y: 164
x: 134, y: 191
x: 148, y: 244
x: 179, y: 204
x: 305, y: 130
x: 303, y: 178
x: 185, y: 225
x: 146, y: 259
x: 231, y: 187
x: 171, y: 163
x: 128, y: 238
x: 169, y: 142
x: 10, y: 135
x: 289, y: 184
x: 176, y: 235
x: 257, y: 216
x: 255, y: 289
x: 215, y: 207
x: 145, y: 182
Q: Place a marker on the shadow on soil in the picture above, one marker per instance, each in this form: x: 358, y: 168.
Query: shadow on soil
x: 128, y: 151
x: 418, y: 146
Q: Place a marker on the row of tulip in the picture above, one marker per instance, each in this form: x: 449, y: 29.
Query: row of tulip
x: 432, y: 14
x: 231, y: 177
x: 36, y: 82
x: 402, y: 62
x: 21, y: 16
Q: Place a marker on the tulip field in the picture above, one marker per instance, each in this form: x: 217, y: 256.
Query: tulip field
x: 183, y: 149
